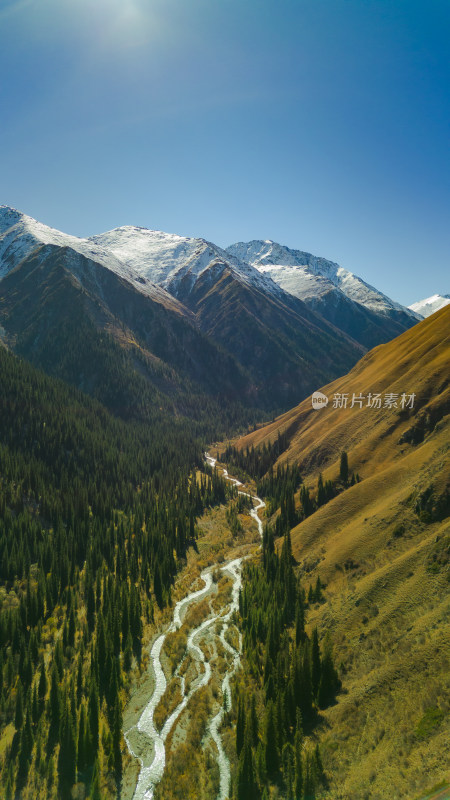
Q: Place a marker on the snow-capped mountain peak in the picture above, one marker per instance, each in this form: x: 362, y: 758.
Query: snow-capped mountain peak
x: 21, y: 234
x: 167, y: 258
x: 308, y: 277
x: 169, y: 268
x: 430, y: 305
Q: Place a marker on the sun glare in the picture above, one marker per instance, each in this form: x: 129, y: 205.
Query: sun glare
x: 124, y: 25
x: 102, y: 27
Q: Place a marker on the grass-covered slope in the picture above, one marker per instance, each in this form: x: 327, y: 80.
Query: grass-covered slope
x: 415, y: 362
x: 382, y: 549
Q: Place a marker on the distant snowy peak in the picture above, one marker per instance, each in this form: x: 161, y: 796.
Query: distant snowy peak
x: 168, y: 259
x: 303, y: 279
x: 153, y: 254
x: 20, y: 235
x: 308, y: 276
x: 166, y: 266
x: 432, y: 304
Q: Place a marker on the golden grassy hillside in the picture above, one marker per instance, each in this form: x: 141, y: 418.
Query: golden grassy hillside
x: 383, y: 552
x: 417, y: 362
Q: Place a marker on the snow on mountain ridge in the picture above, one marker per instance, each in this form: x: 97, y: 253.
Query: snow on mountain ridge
x: 156, y: 262
x: 430, y: 305
x: 21, y: 234
x: 167, y: 258
x: 308, y: 276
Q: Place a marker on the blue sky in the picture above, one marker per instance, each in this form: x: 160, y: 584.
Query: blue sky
x: 321, y: 124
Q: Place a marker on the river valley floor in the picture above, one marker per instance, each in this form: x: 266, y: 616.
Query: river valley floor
x: 196, y: 658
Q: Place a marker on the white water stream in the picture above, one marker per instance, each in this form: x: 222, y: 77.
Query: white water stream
x: 151, y: 773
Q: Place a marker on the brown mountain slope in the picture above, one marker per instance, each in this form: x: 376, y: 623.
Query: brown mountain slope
x: 382, y: 547
x: 82, y: 322
x: 282, y: 344
x: 416, y: 362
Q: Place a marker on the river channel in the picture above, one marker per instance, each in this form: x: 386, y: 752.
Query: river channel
x: 152, y: 765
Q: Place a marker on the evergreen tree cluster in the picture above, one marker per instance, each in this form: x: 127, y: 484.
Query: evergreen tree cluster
x: 344, y: 472
x: 280, y: 487
x: 233, y: 520
x: 256, y: 463
x: 95, y: 515
x: 315, y: 595
x: 289, y: 677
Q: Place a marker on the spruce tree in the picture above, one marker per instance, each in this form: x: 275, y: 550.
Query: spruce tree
x: 343, y: 470
x: 240, y: 726
x: 18, y: 717
x: 306, y: 501
x: 287, y: 759
x: 90, y: 603
x: 329, y: 680
x: 67, y: 757
x: 306, y: 687
x: 320, y: 774
x: 9, y: 788
x: 42, y: 690
x: 59, y: 659
x: 95, y: 786
x: 157, y: 586
x: 315, y: 663
x: 71, y: 629
x: 298, y: 762
x: 246, y: 785
x: 271, y: 743
x: 320, y: 491
x: 254, y: 722
x: 128, y: 653
x: 79, y: 679
x: 54, y: 708
x: 299, y: 621
x: 309, y: 789
x: 93, y: 714
x: 26, y: 747
x: 116, y: 742
x: 83, y: 741
x: 318, y: 591
x: 326, y: 691
x: 35, y: 714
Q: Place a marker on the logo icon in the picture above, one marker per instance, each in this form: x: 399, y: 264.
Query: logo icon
x: 319, y: 400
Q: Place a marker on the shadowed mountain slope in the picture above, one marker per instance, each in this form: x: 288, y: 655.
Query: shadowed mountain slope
x: 341, y: 297
x: 284, y: 345
x: 81, y: 322
x: 286, y: 348
x: 225, y: 329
